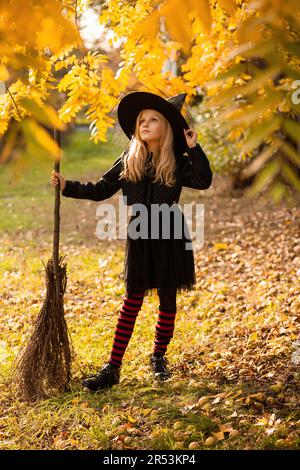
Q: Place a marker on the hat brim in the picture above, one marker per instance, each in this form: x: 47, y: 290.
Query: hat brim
x: 132, y: 104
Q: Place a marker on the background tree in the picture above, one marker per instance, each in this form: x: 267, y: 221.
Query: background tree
x: 242, y: 60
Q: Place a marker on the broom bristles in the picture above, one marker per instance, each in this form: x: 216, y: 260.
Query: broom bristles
x: 44, y: 362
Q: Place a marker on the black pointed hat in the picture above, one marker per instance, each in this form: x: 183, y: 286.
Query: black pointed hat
x: 132, y: 104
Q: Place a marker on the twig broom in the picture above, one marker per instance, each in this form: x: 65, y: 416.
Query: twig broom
x: 43, y: 365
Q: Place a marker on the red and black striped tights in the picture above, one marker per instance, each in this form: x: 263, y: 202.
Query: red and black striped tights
x: 132, y: 303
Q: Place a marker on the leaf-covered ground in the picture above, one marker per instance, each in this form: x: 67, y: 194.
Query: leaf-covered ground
x: 234, y: 355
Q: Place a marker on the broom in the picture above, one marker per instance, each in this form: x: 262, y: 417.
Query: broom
x: 43, y: 365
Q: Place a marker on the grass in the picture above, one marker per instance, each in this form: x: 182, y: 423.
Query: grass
x: 205, y: 354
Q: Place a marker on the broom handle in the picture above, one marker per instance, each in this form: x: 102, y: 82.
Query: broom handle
x: 57, y: 139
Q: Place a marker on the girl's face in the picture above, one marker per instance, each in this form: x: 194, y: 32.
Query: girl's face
x: 150, y: 125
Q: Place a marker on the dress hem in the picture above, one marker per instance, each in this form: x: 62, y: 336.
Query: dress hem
x: 186, y: 286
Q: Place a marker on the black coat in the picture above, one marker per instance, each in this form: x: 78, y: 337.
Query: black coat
x: 151, y: 263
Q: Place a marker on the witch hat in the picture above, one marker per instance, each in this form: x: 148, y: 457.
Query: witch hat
x: 132, y: 104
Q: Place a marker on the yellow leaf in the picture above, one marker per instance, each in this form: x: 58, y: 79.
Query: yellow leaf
x: 260, y: 79
x: 245, y: 76
x: 203, y: 400
x: 264, y: 177
x: 210, y: 441
x: 212, y: 364
x: 219, y: 436
x: 37, y: 134
x: 84, y: 404
x: 260, y: 396
x: 131, y: 419
x: 220, y: 246
x: 45, y: 114
x: 239, y: 392
x: 9, y: 144
x: 228, y: 5
x: 4, y: 75
x: 177, y: 14
x: 238, y: 59
x: 234, y: 134
x: 73, y: 442
x: 75, y: 400
x: 253, y: 337
x: 261, y: 132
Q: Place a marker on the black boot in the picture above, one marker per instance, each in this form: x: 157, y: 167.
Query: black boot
x: 159, y: 367
x: 108, y: 376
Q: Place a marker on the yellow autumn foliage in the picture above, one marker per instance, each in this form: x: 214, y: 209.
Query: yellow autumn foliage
x: 242, y: 57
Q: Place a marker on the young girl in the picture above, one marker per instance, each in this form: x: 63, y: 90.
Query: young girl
x: 151, y: 171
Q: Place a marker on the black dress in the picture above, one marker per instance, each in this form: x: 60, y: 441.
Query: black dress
x: 152, y: 262
x: 162, y: 262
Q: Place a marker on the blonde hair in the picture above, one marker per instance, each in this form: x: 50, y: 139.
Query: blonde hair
x: 164, y: 163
